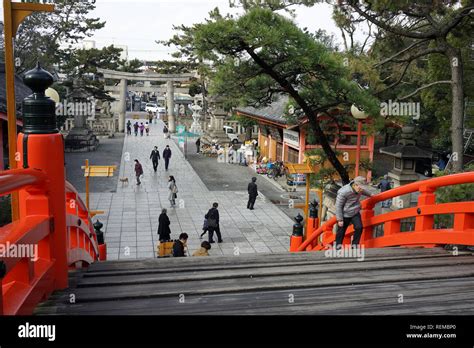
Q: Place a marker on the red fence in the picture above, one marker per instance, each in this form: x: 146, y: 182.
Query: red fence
x: 384, y: 230
x: 32, y: 251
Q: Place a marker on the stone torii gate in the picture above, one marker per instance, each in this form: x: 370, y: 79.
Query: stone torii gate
x: 124, y: 77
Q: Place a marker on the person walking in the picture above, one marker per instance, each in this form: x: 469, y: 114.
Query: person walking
x: 129, y: 128
x: 138, y: 171
x: 164, y: 231
x: 385, y: 185
x: 231, y: 155
x: 135, y: 128
x: 348, y: 209
x: 212, y: 217
x: 173, y: 190
x: 198, y: 145
x: 253, y: 193
x: 155, y: 156
x: 165, y: 132
x: 167, y: 156
x: 142, y: 128
x: 180, y: 245
x: 147, y: 129
x: 203, y: 251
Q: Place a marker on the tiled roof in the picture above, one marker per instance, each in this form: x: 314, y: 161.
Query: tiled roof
x: 273, y: 112
x: 21, y: 91
x: 405, y: 151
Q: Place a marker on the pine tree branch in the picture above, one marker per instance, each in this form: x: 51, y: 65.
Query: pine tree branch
x: 424, y: 87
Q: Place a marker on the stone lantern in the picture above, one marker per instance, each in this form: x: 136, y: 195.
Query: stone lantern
x: 80, y: 103
x: 405, y: 155
x: 196, y: 126
x: 216, y: 134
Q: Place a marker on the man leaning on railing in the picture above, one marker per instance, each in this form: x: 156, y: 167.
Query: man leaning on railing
x: 348, y: 209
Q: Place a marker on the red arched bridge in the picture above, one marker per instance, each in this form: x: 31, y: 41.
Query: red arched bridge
x: 26, y: 283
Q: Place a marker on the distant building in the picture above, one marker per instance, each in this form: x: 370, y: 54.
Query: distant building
x: 88, y: 44
x: 281, y: 141
x: 124, y: 54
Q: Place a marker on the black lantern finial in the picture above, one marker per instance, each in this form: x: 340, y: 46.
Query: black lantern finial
x: 39, y: 111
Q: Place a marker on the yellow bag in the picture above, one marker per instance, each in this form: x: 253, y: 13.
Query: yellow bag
x: 164, y: 249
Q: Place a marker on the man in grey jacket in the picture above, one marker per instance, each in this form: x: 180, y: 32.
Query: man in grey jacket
x: 348, y: 209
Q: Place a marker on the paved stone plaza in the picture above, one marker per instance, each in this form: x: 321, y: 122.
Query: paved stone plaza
x: 131, y: 218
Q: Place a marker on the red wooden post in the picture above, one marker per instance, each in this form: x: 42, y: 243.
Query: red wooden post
x: 359, y: 136
x: 425, y: 222
x: 42, y: 147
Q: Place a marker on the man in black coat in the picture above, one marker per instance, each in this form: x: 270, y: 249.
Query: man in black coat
x: 164, y: 226
x: 212, y: 217
x: 198, y: 145
x: 178, y: 246
x: 155, y: 156
x: 167, y: 156
x: 253, y: 193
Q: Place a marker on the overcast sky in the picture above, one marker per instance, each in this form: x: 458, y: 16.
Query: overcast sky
x: 138, y: 23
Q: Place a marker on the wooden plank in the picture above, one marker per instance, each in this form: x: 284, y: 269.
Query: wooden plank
x: 310, y: 270
x: 266, y: 283
x: 431, y: 279
x: 243, y: 258
x: 197, y: 268
x: 346, y: 299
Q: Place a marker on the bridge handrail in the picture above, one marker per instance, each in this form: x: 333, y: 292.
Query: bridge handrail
x: 429, y: 185
x: 83, y: 215
x: 17, y: 179
x: 426, y: 186
x: 26, y: 282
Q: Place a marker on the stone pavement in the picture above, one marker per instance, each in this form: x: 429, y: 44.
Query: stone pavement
x: 131, y: 219
x: 75, y: 160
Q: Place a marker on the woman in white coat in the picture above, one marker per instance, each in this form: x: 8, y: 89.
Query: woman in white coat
x: 173, y: 190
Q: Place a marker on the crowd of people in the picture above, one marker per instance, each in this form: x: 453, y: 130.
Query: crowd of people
x: 243, y: 155
x: 142, y: 127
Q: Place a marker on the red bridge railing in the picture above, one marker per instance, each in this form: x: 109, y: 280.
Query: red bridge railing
x: 53, y: 232
x: 31, y: 255
x: 384, y: 230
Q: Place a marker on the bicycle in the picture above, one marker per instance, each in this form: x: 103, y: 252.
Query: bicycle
x: 276, y: 170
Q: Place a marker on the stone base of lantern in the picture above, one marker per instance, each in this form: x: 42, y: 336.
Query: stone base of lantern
x: 81, y: 140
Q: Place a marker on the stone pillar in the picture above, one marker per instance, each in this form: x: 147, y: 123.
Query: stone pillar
x: 123, y: 105
x: 80, y: 120
x: 170, y: 105
x: 219, y: 122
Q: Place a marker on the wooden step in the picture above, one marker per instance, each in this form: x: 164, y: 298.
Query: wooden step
x: 432, y: 281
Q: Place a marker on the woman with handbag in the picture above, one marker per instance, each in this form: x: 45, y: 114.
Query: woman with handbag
x: 173, y: 190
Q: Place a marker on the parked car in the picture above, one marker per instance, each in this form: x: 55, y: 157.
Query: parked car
x: 151, y: 107
x: 230, y: 133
